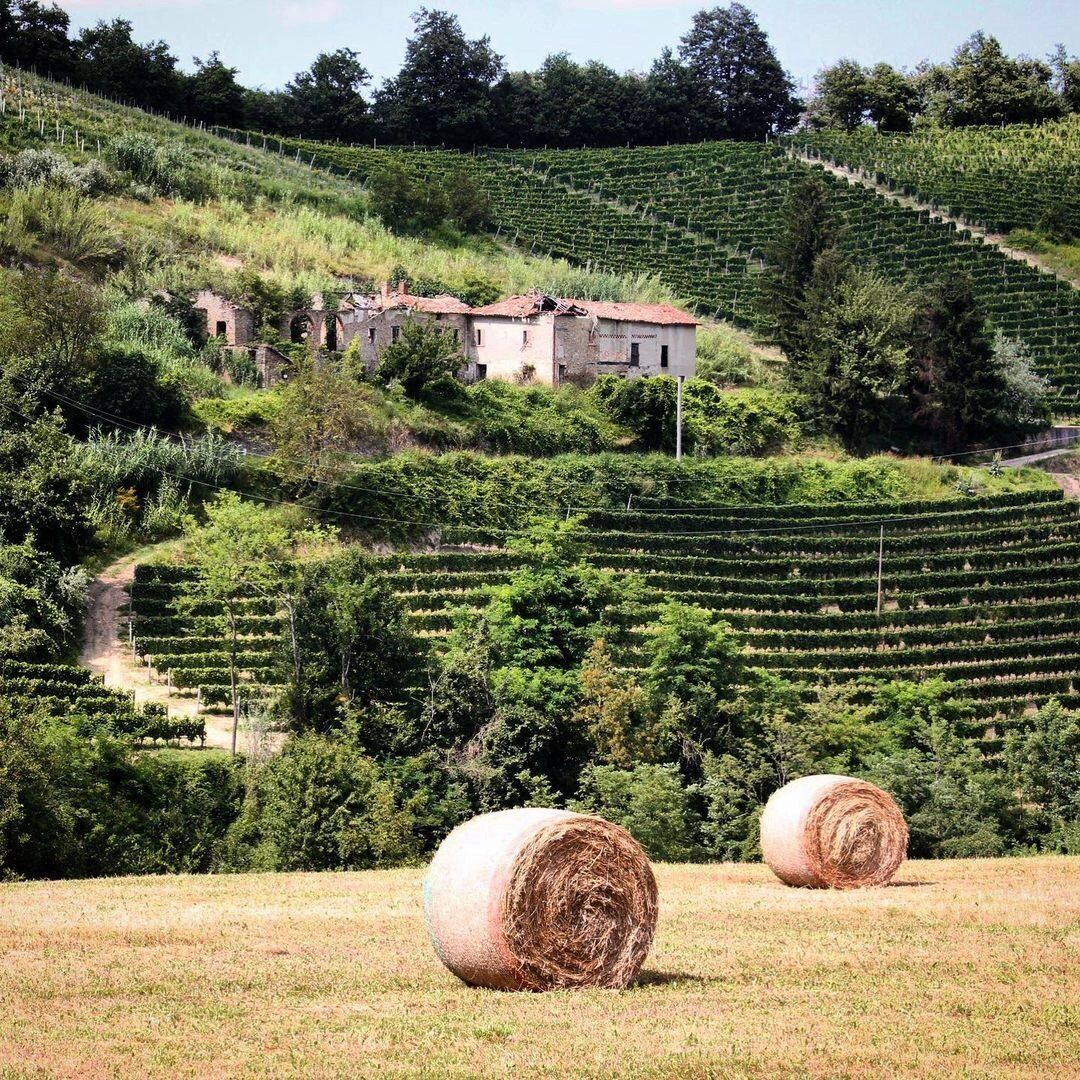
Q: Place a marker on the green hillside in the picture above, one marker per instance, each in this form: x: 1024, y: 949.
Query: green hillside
x: 701, y: 218
x: 1001, y: 178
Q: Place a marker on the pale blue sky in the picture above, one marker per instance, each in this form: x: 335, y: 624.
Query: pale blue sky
x: 269, y: 42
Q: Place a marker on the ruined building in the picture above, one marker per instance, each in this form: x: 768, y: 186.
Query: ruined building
x: 535, y: 337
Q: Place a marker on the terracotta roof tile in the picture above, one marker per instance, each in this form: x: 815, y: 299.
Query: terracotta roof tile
x: 660, y: 314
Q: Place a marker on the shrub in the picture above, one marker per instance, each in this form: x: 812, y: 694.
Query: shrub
x: 321, y: 805
x: 648, y: 800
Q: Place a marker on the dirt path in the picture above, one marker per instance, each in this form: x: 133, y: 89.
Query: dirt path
x: 856, y: 176
x: 1069, y: 484
x: 106, y: 651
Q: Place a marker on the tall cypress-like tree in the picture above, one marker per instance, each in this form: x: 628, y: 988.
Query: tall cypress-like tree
x: 807, y: 233
x: 958, y: 387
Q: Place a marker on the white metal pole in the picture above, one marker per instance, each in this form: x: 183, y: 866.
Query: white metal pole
x: 678, y: 419
x: 880, y: 565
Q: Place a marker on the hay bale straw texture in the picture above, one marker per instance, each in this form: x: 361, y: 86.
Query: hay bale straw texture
x: 537, y: 899
x: 833, y: 832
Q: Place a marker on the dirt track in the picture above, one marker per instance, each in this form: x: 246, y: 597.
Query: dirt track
x: 106, y: 652
x: 855, y: 176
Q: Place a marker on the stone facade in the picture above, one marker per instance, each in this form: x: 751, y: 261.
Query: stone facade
x: 530, y: 338
x: 224, y: 319
x: 550, y: 340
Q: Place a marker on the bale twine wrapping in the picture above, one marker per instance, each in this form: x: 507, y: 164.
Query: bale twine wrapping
x: 833, y: 832
x: 537, y: 899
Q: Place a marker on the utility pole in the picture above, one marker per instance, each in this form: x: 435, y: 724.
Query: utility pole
x: 880, y: 565
x: 678, y: 419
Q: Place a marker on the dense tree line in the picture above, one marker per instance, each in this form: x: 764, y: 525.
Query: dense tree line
x: 877, y: 362
x: 981, y: 84
x: 723, y: 81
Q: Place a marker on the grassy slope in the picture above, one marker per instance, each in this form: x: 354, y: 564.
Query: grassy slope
x: 969, y: 966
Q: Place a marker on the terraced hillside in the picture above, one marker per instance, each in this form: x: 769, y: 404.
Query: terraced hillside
x: 983, y: 591
x: 702, y: 217
x: 190, y: 651
x: 1000, y: 178
x: 66, y: 689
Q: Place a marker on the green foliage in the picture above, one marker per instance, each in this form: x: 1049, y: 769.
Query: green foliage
x: 421, y: 360
x: 40, y: 603
x: 959, y: 389
x: 857, y: 354
x: 648, y: 800
x: 164, y: 168
x: 1044, y: 761
x: 321, y: 805
x: 74, y: 803
x: 348, y: 640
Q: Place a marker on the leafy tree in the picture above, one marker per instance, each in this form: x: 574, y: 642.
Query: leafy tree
x: 326, y: 101
x: 45, y: 494
x: 673, y: 108
x: 40, y: 603
x: 404, y: 202
x: 841, y: 96
x: 856, y: 353
x: 243, y: 551
x: 468, y: 203
x: 747, y: 94
x: 1066, y: 71
x: 959, y: 388
x: 39, y: 39
x: 611, y: 708
x: 549, y: 613
x: 648, y: 800
x: 324, y: 416
x: 116, y: 65
x: 1043, y: 760
x: 443, y: 91
x: 126, y: 384
x: 892, y: 98
x: 982, y: 85
x: 646, y: 406
x: 321, y: 804
x: 421, y: 359
x: 214, y: 95
x: 349, y: 640
x: 694, y: 662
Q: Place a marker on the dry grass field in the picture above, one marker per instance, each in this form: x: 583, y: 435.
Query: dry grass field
x: 961, y: 968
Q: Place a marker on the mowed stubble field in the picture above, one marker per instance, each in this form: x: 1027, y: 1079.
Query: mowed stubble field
x: 961, y: 968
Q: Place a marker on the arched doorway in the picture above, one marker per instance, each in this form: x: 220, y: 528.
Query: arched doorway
x: 299, y: 329
x: 335, y: 333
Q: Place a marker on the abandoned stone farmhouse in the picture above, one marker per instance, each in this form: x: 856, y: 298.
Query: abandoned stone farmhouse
x: 530, y: 338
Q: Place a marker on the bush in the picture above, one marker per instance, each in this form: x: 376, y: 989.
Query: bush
x: 321, y: 805
x: 648, y: 800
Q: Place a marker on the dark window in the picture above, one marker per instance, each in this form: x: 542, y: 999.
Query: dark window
x: 562, y: 373
x: 371, y: 334
x: 457, y: 336
x: 222, y: 330
x: 524, y: 337
x: 635, y: 354
x: 395, y: 333
x: 663, y: 356
x: 481, y: 370
x: 479, y: 336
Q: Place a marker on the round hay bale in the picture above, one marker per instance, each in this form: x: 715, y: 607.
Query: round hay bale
x: 537, y: 899
x: 833, y: 832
